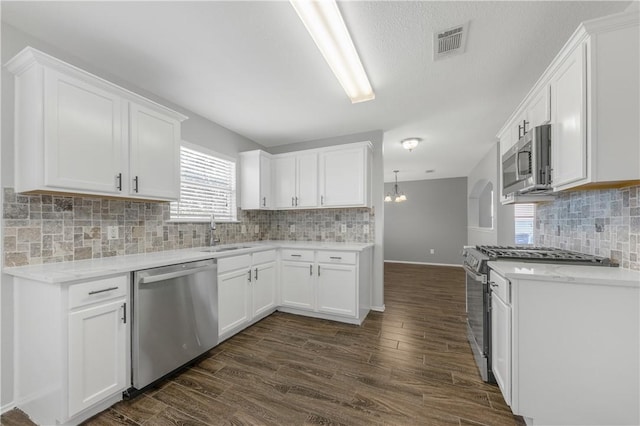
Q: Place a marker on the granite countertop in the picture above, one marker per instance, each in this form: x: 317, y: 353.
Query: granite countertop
x: 585, y: 274
x: 96, y: 268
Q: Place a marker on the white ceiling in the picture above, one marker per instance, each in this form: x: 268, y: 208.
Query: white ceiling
x: 252, y: 67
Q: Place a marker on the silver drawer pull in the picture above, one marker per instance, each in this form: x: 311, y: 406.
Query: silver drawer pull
x: 335, y: 257
x: 102, y: 291
x: 296, y: 255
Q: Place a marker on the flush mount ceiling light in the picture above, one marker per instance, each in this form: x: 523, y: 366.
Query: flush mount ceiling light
x: 328, y: 30
x: 397, y: 196
x: 410, y: 143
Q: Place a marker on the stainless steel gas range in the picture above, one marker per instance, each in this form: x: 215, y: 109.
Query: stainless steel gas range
x: 475, y: 261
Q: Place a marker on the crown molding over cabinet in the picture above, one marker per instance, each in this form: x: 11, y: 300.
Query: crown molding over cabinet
x: 78, y: 133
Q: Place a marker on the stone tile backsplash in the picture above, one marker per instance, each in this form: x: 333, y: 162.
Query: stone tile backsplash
x: 601, y: 222
x: 57, y: 228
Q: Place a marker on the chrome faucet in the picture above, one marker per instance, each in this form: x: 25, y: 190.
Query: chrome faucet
x: 213, y: 240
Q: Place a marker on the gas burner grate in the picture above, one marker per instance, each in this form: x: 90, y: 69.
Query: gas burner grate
x: 542, y: 254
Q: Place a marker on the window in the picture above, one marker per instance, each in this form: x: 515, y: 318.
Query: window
x: 524, y: 216
x: 207, y: 185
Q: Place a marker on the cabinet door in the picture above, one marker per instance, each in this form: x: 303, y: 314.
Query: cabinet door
x: 284, y: 181
x: 337, y: 289
x: 265, y: 182
x: 264, y: 288
x: 501, y: 345
x: 568, y: 103
x: 97, y: 354
x: 233, y: 300
x: 83, y: 146
x: 343, y: 177
x: 539, y: 109
x: 307, y: 180
x: 296, y: 285
x: 154, y: 154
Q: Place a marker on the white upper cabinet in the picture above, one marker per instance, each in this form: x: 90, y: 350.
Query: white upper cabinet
x: 284, y: 181
x: 337, y: 176
x: 83, y: 134
x: 590, y: 94
x: 154, y: 147
x: 295, y: 180
x: 568, y: 95
x: 78, y: 133
x: 255, y: 180
x: 345, y: 176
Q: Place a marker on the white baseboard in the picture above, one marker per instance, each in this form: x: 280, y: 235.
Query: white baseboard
x: 378, y: 308
x: 7, y: 407
x: 423, y: 263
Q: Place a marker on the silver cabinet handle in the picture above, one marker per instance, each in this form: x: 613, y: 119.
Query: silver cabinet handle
x: 102, y: 291
x: 119, y: 181
x: 296, y: 201
x: 318, y: 270
x: 335, y: 257
x: 124, y: 313
x: 493, y: 285
x: 322, y: 200
x: 249, y: 275
x: 296, y: 255
x: 135, y: 184
x: 264, y: 201
x: 310, y: 269
x: 256, y: 276
x: 293, y: 201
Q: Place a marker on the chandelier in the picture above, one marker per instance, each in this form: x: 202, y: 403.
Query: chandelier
x: 397, y: 196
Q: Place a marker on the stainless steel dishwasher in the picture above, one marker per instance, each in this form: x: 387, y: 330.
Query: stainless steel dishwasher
x: 175, y: 318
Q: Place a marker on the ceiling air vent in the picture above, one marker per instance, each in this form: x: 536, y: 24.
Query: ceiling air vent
x: 449, y: 42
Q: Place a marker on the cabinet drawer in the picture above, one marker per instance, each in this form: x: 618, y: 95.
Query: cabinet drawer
x: 302, y: 255
x: 96, y: 291
x: 343, y: 257
x: 500, y: 286
x: 232, y: 263
x: 264, y: 257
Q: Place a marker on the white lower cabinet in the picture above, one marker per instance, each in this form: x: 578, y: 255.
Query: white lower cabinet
x: 326, y: 284
x: 83, y: 329
x: 246, y: 290
x: 501, y: 334
x: 337, y: 289
x: 97, y: 354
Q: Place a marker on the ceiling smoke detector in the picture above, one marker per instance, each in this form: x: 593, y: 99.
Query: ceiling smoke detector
x: 450, y: 42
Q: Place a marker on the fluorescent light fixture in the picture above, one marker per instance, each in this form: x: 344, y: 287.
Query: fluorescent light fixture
x: 326, y: 26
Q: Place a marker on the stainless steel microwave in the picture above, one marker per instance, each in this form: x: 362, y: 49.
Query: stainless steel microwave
x: 526, y: 167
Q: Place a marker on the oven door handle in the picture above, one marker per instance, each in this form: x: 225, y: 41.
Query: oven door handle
x: 478, y: 277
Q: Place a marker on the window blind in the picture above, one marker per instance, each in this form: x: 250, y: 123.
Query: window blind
x: 207, y: 185
x: 524, y: 215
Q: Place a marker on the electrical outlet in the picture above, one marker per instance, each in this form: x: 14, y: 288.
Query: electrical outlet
x: 256, y: 229
x: 343, y: 228
x: 292, y: 229
x: 243, y: 229
x: 112, y: 232
x: 365, y: 229
x: 432, y: 251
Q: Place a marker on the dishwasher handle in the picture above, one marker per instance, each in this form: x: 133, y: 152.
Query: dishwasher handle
x: 170, y: 275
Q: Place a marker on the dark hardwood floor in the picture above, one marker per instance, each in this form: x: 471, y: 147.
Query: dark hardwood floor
x: 410, y: 365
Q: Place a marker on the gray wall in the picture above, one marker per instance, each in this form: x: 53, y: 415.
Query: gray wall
x: 433, y: 217
x: 377, y: 184
x: 501, y: 230
x: 196, y: 129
